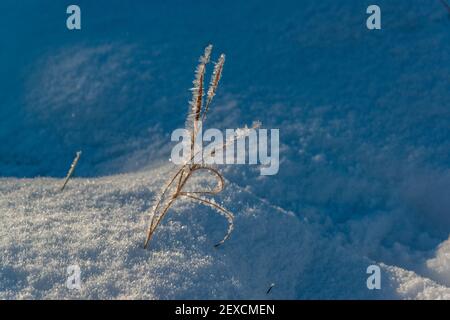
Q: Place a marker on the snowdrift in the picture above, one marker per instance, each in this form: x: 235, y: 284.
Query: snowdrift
x: 99, y: 224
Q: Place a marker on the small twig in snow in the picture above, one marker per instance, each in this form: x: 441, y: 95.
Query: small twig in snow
x: 71, y: 170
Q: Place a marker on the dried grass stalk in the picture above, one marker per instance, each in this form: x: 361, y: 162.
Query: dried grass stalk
x: 196, y: 103
x: 71, y: 170
x: 217, y: 74
x: 174, y: 188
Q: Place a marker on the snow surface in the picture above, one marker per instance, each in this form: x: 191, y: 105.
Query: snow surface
x: 364, y: 130
x: 99, y: 224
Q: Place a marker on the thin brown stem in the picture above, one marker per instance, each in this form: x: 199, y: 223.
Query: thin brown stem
x: 226, y: 213
x: 220, y: 183
x: 153, y: 227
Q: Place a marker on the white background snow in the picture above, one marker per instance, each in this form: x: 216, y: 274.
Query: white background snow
x: 364, y: 169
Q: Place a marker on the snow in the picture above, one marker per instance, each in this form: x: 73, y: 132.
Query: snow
x: 99, y: 224
x: 364, y: 150
x: 411, y: 286
x: 439, y: 265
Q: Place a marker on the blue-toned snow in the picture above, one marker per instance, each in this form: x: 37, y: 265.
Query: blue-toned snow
x: 364, y: 121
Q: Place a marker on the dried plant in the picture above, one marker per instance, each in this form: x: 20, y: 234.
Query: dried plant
x: 71, y: 170
x: 174, y: 188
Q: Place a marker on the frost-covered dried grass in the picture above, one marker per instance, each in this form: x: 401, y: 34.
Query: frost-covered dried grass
x: 175, y: 187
